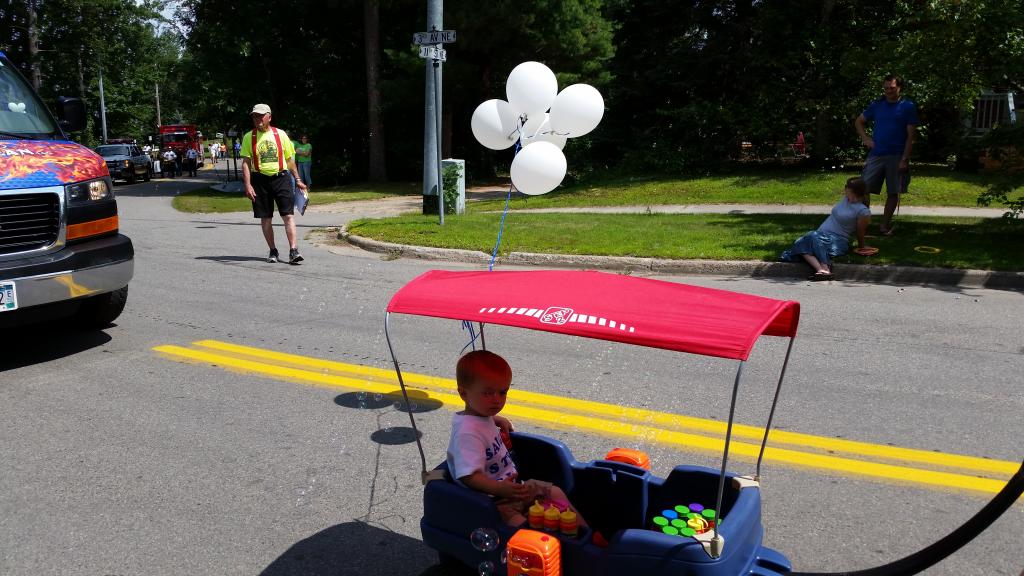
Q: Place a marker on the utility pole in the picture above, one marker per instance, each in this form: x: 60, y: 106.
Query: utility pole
x: 33, y: 45
x: 157, y: 86
x: 431, y: 150
x: 103, y: 108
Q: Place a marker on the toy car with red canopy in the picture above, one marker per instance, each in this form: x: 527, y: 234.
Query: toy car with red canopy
x: 637, y: 521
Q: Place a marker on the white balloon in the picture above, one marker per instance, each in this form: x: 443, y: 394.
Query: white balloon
x: 531, y: 88
x: 538, y: 169
x: 494, y: 124
x: 545, y: 134
x: 577, y: 110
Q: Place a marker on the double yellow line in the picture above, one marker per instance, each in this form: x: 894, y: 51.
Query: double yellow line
x: 888, y: 463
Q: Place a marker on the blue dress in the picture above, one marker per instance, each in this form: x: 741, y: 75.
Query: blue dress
x: 832, y: 238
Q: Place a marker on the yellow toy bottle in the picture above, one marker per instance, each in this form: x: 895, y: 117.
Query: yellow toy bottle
x: 552, y: 519
x: 536, y: 516
x: 568, y: 523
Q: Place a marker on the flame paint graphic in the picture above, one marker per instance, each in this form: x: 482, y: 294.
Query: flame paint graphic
x: 35, y: 163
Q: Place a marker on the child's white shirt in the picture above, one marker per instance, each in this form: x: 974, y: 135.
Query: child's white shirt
x: 475, y: 445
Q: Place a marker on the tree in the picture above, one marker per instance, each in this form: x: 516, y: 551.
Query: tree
x: 698, y: 78
x: 572, y: 37
x: 371, y: 32
x: 78, y: 37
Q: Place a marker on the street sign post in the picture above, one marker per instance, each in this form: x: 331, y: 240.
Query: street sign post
x: 430, y: 44
x: 434, y: 37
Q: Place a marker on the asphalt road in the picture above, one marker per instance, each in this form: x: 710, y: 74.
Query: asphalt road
x: 118, y: 460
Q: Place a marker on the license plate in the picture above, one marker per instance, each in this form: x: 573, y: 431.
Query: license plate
x: 8, y: 297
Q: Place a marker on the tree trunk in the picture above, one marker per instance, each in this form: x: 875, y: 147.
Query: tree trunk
x: 446, y: 129
x: 375, y: 124
x: 822, y: 147
x: 33, y: 45
x: 486, y: 158
x: 81, y: 78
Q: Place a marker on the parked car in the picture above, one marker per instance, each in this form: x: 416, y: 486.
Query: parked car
x: 126, y: 161
x: 61, y: 251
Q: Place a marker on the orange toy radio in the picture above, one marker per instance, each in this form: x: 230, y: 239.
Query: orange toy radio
x: 637, y: 458
x: 532, y: 553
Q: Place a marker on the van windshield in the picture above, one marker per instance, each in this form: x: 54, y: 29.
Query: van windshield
x: 22, y: 114
x: 112, y: 151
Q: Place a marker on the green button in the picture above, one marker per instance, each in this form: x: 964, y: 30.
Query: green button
x: 683, y: 510
x: 679, y: 523
x: 708, y: 513
x: 661, y: 521
x: 688, y: 532
x: 670, y: 531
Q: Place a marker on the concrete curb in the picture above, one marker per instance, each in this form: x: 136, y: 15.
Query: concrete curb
x: 747, y: 268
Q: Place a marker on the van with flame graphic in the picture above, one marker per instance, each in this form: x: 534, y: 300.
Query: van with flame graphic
x: 60, y: 250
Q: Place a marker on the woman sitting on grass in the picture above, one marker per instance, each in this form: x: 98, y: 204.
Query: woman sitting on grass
x: 832, y: 238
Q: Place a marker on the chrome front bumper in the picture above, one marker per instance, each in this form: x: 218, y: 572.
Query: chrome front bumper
x: 71, y: 284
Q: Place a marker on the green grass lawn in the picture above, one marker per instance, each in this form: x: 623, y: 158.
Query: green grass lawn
x: 210, y: 200
x: 963, y: 242
x: 930, y: 186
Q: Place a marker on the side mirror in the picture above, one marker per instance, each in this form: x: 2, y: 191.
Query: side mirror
x: 72, y: 114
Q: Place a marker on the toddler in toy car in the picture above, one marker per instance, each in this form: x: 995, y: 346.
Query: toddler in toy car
x: 477, y: 456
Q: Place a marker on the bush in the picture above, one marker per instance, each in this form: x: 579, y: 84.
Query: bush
x: 450, y: 184
x: 1005, y: 150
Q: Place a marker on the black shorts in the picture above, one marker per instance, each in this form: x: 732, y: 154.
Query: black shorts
x: 270, y: 190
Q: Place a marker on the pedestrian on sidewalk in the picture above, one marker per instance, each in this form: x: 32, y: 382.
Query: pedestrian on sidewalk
x: 832, y: 239
x: 192, y: 161
x: 304, y: 159
x: 889, y: 146
x: 268, y: 166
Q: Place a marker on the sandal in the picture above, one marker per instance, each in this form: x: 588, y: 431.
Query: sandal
x: 820, y: 277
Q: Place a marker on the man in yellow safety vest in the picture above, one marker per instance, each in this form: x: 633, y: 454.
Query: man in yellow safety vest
x: 268, y: 170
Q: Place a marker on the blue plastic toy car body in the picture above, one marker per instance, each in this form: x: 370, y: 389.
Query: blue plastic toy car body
x: 619, y: 501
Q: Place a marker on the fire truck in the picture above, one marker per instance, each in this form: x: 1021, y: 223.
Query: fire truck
x: 181, y: 137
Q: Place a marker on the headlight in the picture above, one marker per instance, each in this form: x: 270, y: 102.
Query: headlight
x: 89, y: 191
x: 127, y: 163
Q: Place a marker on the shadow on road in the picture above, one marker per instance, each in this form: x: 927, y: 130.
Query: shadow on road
x: 419, y: 401
x: 46, y: 342
x: 355, y: 548
x: 232, y: 258
x: 161, y: 187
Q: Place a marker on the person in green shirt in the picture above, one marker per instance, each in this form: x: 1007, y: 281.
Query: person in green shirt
x: 304, y: 159
x: 268, y: 167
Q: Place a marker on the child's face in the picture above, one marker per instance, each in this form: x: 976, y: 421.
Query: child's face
x: 485, y: 396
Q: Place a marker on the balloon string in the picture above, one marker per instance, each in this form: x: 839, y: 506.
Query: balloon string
x: 467, y: 325
x: 501, y: 226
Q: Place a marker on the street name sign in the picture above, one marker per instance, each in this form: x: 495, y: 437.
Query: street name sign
x: 433, y: 52
x: 434, y: 37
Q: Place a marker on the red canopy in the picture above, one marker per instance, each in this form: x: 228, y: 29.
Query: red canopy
x: 605, y: 306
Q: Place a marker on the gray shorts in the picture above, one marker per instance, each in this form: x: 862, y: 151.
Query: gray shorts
x: 885, y: 168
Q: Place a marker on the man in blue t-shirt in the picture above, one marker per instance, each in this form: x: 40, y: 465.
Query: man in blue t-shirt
x: 895, y: 121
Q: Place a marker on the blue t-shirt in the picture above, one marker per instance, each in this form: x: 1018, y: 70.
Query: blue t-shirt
x: 843, y: 219
x: 891, y: 120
